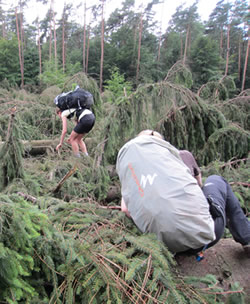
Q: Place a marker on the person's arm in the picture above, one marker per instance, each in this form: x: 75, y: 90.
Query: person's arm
x: 124, y: 208
x: 191, y: 163
x: 197, y: 174
x: 64, y: 131
x: 199, y: 179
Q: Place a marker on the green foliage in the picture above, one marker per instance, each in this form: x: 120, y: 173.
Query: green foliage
x: 214, y: 293
x: 11, y: 156
x: 117, y: 84
x: 10, y: 68
x: 31, y: 67
x: 179, y: 73
x: 218, y: 90
x: 237, y: 110
x: 82, y: 251
x: 21, y: 225
x: 213, y: 91
x: 135, y: 268
x: 184, y: 119
x: 33, y: 120
x: 122, y: 42
x: 52, y: 75
x: 205, y: 60
x: 223, y: 145
x: 80, y: 257
x: 170, y: 50
x: 236, y: 297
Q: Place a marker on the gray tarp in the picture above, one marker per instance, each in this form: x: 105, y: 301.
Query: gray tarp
x: 161, y: 194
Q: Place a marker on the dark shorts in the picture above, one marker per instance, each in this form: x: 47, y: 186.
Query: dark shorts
x: 85, y: 124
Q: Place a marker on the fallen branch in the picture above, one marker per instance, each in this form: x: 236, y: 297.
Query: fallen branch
x: 27, y: 197
x: 234, y: 162
x: 240, y: 183
x: 62, y: 181
x: 111, y: 207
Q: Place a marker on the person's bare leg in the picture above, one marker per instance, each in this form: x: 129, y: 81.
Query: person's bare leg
x: 73, y: 140
x: 81, y: 144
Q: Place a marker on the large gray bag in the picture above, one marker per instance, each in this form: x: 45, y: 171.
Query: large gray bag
x: 161, y: 194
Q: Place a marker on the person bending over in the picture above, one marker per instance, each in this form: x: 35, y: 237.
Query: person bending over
x: 160, y: 195
x: 85, y: 121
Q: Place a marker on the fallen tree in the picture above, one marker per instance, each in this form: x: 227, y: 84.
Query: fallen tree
x: 38, y: 147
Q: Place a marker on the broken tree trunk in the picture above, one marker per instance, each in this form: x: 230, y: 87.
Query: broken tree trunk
x: 35, y: 147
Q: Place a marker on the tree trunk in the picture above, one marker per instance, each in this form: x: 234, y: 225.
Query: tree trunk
x: 186, y: 44
x: 181, y: 47
x: 246, y: 59
x: 102, y: 47
x: 63, y: 41
x: 50, y: 32
x: 221, y: 41
x: 159, y: 48
x: 87, y: 55
x: 139, y: 50
x: 39, y: 48
x: 22, y: 35
x: 54, y: 28
x: 3, y: 27
x: 245, y: 65
x: 160, y: 39
x: 36, y: 147
x: 239, y: 58
x: 84, y: 40
x: 20, y: 50
x: 134, y: 42
x: 228, y: 49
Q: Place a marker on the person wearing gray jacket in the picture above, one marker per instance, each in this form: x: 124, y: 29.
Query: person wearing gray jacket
x: 161, y: 196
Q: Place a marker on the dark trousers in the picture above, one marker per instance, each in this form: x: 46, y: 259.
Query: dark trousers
x: 233, y: 216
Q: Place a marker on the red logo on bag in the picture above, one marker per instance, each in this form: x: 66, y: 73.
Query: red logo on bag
x: 141, y: 192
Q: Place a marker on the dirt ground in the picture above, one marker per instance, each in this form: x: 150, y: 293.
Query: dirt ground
x: 226, y: 260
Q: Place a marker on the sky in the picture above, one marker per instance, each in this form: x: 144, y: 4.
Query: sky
x: 163, y: 11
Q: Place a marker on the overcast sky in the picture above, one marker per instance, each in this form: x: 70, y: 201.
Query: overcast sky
x: 163, y: 11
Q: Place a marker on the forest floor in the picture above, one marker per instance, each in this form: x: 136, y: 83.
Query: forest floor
x: 226, y: 261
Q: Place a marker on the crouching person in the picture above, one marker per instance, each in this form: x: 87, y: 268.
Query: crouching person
x: 162, y: 197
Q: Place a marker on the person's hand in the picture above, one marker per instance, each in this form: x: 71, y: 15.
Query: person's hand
x: 58, y: 147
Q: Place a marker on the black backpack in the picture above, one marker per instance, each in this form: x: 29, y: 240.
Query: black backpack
x: 77, y: 99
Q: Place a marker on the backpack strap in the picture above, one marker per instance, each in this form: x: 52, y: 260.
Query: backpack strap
x: 69, y: 113
x: 79, y: 105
